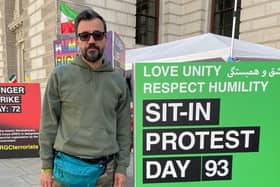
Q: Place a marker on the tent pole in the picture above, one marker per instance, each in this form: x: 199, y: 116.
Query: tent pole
x: 233, y: 28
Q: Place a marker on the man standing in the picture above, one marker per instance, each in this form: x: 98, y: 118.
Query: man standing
x: 86, y: 109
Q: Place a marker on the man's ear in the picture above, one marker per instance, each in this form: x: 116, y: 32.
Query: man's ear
x: 105, y: 36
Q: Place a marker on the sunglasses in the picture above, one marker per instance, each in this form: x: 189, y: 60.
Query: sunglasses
x: 97, y: 35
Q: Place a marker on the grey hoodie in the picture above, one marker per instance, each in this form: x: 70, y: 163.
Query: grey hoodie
x: 86, y: 114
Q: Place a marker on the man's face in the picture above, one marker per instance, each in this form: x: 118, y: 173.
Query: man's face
x: 91, y: 39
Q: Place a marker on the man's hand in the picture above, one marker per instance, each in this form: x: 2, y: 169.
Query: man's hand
x: 119, y: 180
x: 46, y: 179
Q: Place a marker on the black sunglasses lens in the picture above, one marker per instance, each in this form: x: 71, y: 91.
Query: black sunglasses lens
x: 98, y: 35
x: 84, y: 36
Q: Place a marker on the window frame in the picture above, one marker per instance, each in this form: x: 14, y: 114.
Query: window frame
x: 223, y: 24
x: 145, y: 27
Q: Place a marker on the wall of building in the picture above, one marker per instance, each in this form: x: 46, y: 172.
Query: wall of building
x: 7, y: 42
x: 182, y: 18
x: 2, y: 42
x: 260, y: 20
x: 120, y: 17
x: 170, y: 20
x: 10, y: 38
x: 40, y: 31
x: 196, y: 14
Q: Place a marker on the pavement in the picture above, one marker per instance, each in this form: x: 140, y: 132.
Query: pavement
x: 25, y: 172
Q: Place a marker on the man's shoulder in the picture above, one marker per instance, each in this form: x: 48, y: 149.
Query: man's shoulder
x: 62, y: 72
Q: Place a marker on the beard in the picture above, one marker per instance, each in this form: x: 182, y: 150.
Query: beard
x: 92, y: 56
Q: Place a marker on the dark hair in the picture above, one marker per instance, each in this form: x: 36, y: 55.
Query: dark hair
x: 88, y: 14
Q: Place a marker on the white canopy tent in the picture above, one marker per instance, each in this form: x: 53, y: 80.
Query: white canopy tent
x: 206, y: 47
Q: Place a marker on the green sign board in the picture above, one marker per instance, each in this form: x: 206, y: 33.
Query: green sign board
x: 207, y: 124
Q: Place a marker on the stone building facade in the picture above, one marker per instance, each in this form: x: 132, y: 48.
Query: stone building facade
x: 29, y: 27
x: 261, y: 22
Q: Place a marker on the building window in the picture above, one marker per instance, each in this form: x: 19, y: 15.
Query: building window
x: 147, y: 13
x: 222, y: 17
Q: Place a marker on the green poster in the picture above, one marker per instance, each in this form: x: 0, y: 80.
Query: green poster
x: 207, y: 124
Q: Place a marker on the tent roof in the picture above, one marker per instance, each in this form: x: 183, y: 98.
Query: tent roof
x: 202, y: 47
